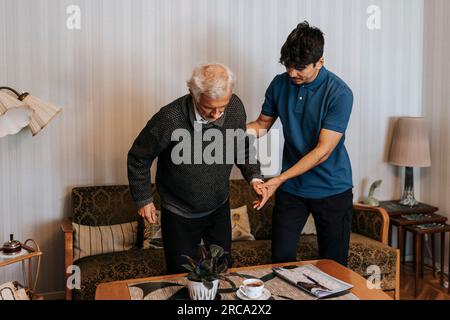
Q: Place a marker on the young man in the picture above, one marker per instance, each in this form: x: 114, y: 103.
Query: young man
x: 193, y: 182
x: 314, y: 106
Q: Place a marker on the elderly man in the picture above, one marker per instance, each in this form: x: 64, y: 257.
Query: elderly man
x: 194, y: 191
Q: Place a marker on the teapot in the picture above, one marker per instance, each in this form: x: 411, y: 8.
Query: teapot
x: 12, y: 246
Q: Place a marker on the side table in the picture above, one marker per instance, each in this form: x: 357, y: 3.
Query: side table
x: 419, y: 232
x: 28, y: 253
x: 396, y: 211
x: 412, y: 220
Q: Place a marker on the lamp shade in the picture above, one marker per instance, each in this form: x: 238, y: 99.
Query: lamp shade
x: 410, y: 143
x: 43, y: 112
x: 14, y: 114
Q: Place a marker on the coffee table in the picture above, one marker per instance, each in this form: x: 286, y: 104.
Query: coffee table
x: 120, y: 290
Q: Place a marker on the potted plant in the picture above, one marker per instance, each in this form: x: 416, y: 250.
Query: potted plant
x: 205, y: 272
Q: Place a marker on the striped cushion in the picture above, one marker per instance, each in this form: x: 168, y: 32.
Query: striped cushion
x: 91, y: 240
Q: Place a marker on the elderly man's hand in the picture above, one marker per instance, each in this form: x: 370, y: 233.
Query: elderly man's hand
x: 149, y: 213
x: 262, y: 194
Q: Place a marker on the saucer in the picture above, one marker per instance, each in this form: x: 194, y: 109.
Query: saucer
x: 265, y: 295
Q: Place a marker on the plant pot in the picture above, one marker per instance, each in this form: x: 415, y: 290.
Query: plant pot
x: 198, y: 291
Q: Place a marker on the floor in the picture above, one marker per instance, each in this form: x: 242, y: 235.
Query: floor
x: 430, y: 287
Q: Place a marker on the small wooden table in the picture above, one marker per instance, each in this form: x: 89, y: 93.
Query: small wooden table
x: 396, y: 211
x: 418, y: 233
x: 119, y: 290
x: 401, y: 222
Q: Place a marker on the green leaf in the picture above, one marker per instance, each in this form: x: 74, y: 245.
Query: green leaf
x: 207, y: 284
x: 216, y: 251
x: 222, y: 268
x: 191, y: 261
x: 188, y: 267
x: 207, y: 264
x: 193, y: 277
x: 203, y: 253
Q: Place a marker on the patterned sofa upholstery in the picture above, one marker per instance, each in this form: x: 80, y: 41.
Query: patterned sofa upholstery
x: 107, y: 205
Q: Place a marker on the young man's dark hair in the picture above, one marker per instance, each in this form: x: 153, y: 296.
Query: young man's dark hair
x: 305, y: 45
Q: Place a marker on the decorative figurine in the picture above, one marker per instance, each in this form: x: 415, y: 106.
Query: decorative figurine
x: 370, y: 200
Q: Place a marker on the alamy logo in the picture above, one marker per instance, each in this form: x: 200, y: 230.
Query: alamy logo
x: 73, y: 22
x: 232, y: 146
x: 74, y: 280
x: 374, y: 280
x: 374, y: 19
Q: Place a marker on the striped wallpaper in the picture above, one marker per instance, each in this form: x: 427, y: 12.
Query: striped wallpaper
x: 131, y: 57
x: 435, y: 184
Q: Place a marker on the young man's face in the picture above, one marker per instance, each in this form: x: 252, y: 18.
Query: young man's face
x: 306, y: 75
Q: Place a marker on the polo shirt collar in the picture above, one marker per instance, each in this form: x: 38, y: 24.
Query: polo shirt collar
x: 318, y: 81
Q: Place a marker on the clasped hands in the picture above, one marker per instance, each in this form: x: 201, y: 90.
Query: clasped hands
x: 265, y: 190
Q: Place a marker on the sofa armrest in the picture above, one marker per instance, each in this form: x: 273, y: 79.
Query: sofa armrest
x: 67, y: 228
x: 372, y: 222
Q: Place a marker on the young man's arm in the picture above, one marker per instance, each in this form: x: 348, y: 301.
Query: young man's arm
x: 268, y: 116
x: 333, y: 129
x: 261, y: 126
x: 328, y: 141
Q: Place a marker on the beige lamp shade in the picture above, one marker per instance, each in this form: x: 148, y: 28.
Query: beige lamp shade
x: 43, y: 113
x: 14, y: 114
x: 410, y: 143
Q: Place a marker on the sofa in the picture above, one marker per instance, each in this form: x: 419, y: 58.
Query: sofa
x: 109, y: 205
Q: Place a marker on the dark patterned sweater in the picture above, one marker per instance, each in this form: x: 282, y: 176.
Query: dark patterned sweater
x: 193, y: 188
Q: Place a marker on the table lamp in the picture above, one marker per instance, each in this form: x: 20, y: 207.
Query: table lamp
x: 14, y: 114
x: 410, y: 148
x: 23, y: 110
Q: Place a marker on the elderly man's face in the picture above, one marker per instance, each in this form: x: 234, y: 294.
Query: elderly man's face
x: 212, y: 109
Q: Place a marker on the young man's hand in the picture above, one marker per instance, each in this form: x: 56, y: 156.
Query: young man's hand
x: 272, y: 185
x: 262, y: 194
x: 148, y: 212
x: 269, y: 188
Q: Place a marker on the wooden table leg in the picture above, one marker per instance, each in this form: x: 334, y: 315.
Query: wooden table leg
x: 401, y: 242
x: 448, y: 280
x: 417, y: 240
x: 422, y: 256
x: 390, y: 235
x: 433, y: 254
x: 442, y: 257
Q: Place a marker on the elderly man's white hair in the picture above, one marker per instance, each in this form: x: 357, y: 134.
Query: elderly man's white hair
x: 213, y: 79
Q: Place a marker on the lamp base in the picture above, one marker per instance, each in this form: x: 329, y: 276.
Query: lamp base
x: 408, y: 199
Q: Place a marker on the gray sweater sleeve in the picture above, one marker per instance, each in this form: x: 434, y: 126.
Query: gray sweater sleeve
x: 246, y: 158
x: 152, y: 140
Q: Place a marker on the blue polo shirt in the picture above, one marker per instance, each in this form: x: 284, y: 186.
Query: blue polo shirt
x: 304, y: 110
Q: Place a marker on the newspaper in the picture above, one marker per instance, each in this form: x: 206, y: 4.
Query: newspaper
x: 313, y: 281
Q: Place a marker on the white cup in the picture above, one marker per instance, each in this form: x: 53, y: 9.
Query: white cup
x: 252, y: 288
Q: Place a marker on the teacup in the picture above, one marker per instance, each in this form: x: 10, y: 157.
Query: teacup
x: 252, y: 288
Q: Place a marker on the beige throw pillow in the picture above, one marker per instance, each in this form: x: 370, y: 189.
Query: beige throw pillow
x: 91, y: 240
x: 240, y: 225
x: 310, y: 227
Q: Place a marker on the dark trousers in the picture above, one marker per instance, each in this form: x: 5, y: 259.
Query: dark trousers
x: 183, y: 236
x: 332, y: 217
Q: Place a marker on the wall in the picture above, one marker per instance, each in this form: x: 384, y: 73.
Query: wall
x: 436, y: 103
x: 132, y: 57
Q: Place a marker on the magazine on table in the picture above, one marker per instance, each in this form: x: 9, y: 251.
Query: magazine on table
x: 313, y: 281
